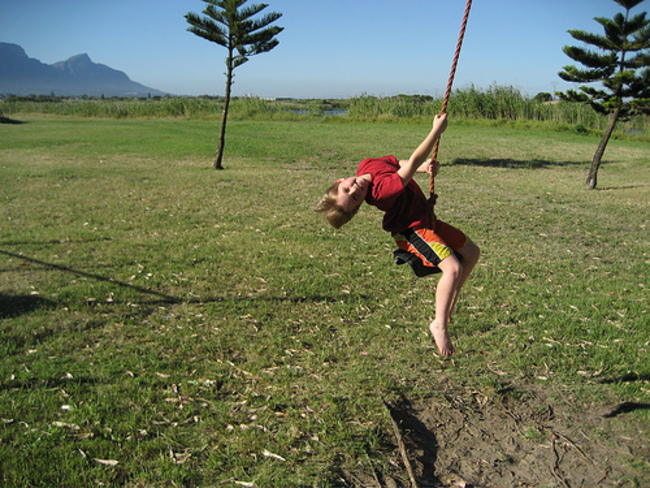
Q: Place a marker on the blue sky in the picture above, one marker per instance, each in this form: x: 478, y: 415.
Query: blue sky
x: 329, y: 48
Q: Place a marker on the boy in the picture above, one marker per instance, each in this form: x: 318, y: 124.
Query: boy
x: 435, y: 246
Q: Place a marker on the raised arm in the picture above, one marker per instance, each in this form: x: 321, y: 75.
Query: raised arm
x: 429, y: 166
x: 420, y: 155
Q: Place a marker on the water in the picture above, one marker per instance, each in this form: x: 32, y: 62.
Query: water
x: 324, y: 112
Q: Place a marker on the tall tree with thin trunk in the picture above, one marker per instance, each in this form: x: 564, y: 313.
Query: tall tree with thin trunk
x: 620, y: 64
x: 230, y: 24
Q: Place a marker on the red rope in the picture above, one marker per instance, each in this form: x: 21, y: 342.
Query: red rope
x: 445, y: 101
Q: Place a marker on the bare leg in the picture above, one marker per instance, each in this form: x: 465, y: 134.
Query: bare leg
x: 445, y: 292
x: 470, y: 253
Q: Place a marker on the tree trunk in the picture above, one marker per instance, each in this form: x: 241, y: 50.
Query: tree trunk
x: 592, y: 179
x: 224, y: 118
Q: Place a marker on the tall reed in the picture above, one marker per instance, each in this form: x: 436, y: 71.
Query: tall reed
x: 497, y: 103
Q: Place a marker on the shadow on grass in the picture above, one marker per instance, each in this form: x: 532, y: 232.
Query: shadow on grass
x: 7, y: 120
x: 515, y: 164
x: 615, y: 188
x: 164, y: 298
x: 49, y: 383
x: 15, y: 305
x: 627, y: 407
x: 52, y: 242
x: 626, y: 378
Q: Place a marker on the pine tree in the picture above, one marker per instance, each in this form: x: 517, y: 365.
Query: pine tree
x: 620, y: 63
x: 230, y: 24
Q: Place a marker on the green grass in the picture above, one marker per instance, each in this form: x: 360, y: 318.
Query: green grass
x: 183, y: 322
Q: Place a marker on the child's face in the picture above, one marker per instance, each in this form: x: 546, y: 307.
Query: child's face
x: 352, y: 191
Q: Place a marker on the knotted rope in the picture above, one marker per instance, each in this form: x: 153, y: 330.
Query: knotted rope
x: 445, y: 101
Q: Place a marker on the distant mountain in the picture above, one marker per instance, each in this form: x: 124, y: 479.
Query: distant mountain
x: 22, y: 75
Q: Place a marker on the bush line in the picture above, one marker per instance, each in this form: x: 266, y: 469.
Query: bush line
x: 501, y: 105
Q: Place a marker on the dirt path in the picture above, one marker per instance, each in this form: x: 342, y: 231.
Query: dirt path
x: 518, y: 437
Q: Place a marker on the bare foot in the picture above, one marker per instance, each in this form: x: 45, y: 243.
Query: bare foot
x: 441, y: 336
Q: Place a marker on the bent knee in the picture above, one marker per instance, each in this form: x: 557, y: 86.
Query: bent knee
x: 451, y: 266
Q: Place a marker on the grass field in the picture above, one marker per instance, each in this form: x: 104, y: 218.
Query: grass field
x: 166, y: 324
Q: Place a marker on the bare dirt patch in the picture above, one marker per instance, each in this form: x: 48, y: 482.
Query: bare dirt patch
x: 517, y: 436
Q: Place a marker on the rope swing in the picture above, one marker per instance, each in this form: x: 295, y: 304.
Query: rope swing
x: 450, y: 82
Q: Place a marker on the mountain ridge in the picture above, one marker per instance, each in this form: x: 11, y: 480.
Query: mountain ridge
x: 76, y: 76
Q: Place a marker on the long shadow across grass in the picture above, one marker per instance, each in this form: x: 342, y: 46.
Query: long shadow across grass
x: 515, y: 163
x: 13, y: 305
x: 164, y: 297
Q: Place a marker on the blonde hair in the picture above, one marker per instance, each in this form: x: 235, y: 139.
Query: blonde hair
x: 332, y: 211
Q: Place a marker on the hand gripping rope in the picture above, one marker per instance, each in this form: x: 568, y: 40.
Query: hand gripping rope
x: 450, y: 82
